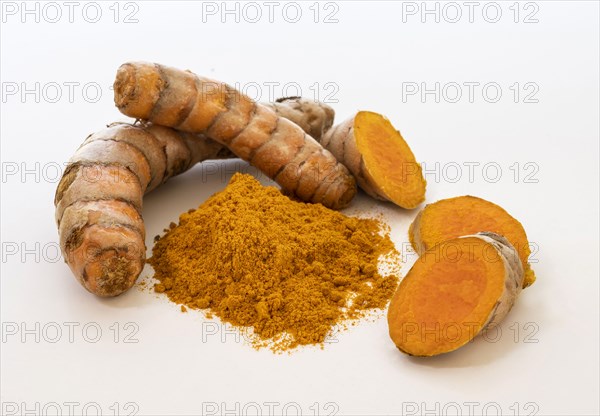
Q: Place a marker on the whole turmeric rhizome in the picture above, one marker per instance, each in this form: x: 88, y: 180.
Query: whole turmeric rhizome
x: 293, y: 273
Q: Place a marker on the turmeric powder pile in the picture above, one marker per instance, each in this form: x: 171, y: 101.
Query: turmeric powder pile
x: 289, y: 272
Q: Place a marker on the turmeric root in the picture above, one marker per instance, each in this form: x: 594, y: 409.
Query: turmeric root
x: 99, y: 198
x: 451, y: 218
x: 315, y: 118
x: 378, y: 157
x: 454, y: 291
x: 254, y: 132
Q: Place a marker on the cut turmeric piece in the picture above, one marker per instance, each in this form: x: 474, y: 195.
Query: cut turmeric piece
x: 453, y: 292
x: 381, y: 161
x: 463, y: 215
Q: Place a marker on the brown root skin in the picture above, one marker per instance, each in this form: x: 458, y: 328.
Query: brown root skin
x: 315, y: 118
x: 254, y: 132
x: 455, y: 291
x: 378, y: 157
x: 99, y: 199
x: 453, y: 217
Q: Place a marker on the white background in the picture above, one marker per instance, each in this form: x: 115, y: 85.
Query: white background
x: 546, y: 358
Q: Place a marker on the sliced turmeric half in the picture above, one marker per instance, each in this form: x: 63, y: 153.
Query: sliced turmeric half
x: 453, y: 292
x: 379, y: 158
x: 463, y: 215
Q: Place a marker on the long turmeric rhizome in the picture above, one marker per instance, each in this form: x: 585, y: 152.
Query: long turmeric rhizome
x: 290, y: 271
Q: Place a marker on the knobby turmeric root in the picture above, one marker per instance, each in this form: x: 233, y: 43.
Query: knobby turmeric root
x: 99, y: 198
x: 378, y: 157
x: 463, y: 215
x: 254, y: 132
x: 315, y: 118
x: 454, y: 291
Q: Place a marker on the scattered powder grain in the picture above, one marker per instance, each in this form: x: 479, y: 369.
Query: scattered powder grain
x: 289, y: 272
